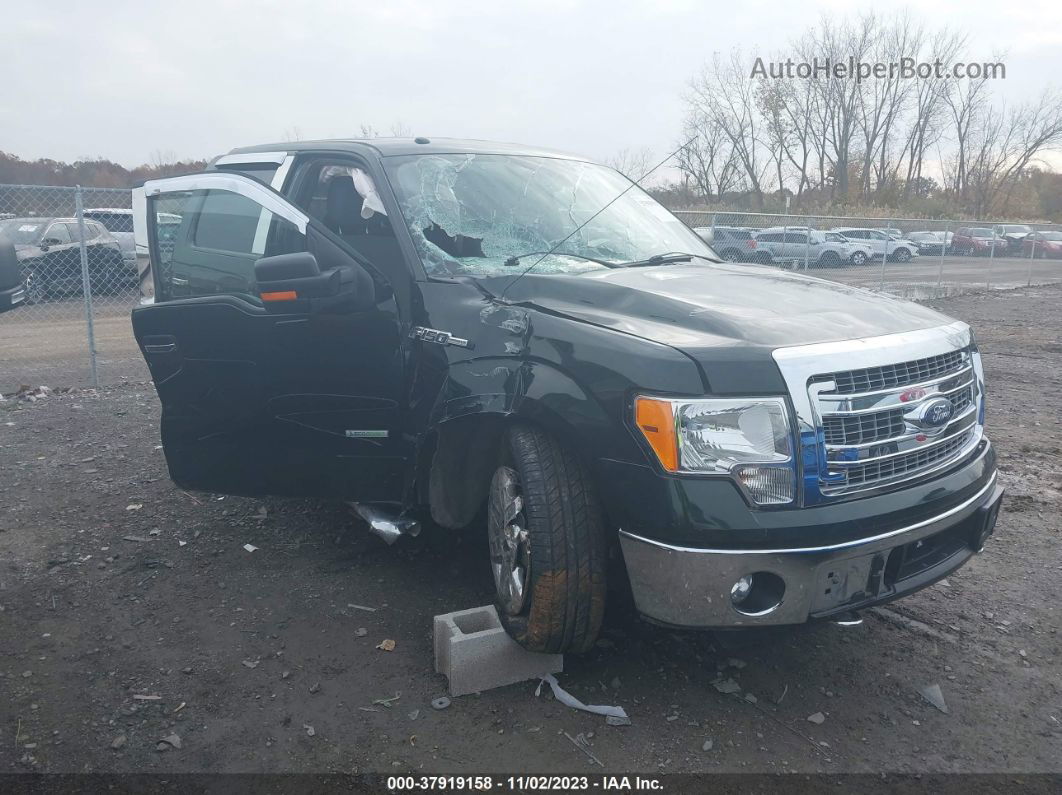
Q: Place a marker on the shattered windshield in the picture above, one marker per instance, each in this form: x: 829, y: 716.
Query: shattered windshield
x: 491, y: 215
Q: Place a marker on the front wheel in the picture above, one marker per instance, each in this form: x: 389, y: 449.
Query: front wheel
x: 547, y: 545
x: 830, y: 259
x: 901, y: 255
x: 34, y: 288
x: 859, y: 258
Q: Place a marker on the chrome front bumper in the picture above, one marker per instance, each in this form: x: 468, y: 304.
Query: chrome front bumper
x: 690, y: 587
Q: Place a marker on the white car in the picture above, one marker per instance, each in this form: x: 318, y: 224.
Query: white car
x: 881, y: 243
x: 798, y: 244
x: 119, y: 222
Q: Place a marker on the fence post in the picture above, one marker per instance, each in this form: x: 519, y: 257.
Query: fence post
x: 86, y: 284
x: 807, y: 238
x: 1032, y: 256
x: 991, y: 259
x: 943, y: 247
x: 885, y: 255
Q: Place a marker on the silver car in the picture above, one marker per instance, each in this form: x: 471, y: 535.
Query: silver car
x: 798, y: 245
x: 881, y: 243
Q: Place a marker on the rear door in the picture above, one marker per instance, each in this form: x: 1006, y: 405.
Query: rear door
x: 256, y: 401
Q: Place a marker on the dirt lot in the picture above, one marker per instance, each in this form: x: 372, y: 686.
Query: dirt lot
x: 114, y: 585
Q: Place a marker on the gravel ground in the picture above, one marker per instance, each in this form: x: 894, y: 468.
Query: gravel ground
x: 131, y: 612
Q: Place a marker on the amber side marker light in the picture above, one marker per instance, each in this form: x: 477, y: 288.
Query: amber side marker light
x: 282, y: 295
x: 656, y: 420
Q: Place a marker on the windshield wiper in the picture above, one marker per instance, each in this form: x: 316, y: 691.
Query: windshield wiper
x: 515, y: 260
x: 658, y: 259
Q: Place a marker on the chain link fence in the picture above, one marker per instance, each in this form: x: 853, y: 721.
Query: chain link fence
x: 909, y: 257
x: 68, y: 280
x: 68, y: 270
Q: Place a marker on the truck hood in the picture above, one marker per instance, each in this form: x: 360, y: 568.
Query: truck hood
x: 695, y: 306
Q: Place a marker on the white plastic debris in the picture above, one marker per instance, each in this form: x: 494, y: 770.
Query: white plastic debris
x: 726, y: 686
x: 934, y: 695
x: 618, y: 715
x: 250, y: 547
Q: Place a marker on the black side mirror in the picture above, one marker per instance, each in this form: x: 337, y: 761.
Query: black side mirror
x: 296, y: 283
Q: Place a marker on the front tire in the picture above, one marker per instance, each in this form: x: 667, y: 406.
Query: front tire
x: 859, y: 258
x: 547, y: 545
x: 36, y: 292
x: 901, y: 255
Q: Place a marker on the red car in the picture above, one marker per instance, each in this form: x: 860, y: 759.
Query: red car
x: 977, y: 240
x: 1043, y: 245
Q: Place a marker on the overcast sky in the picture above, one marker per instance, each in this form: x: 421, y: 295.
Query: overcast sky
x: 123, y: 80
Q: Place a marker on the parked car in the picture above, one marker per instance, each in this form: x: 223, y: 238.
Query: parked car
x: 818, y: 249
x: 12, y: 292
x: 881, y: 243
x: 756, y: 448
x: 931, y: 242
x: 119, y: 222
x: 732, y: 243
x: 49, y: 255
x: 1013, y: 235
x: 977, y: 240
x: 1045, y: 245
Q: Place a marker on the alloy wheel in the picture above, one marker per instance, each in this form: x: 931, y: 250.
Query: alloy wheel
x: 510, y: 550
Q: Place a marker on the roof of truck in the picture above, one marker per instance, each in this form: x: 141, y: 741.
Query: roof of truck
x: 394, y: 147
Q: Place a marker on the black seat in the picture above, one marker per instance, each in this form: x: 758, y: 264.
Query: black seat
x: 343, y: 207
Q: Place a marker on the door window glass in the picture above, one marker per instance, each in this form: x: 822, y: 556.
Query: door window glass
x: 57, y: 235
x: 207, y: 242
x: 344, y: 198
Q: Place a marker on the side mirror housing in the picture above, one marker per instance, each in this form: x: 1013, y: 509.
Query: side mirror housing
x: 295, y: 283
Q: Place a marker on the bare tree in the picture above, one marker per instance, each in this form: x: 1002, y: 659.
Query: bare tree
x: 707, y: 158
x: 632, y: 163
x: 967, y: 103
x: 725, y: 95
x: 842, y: 100
x: 928, y: 108
x: 882, y: 103
x: 1004, y: 144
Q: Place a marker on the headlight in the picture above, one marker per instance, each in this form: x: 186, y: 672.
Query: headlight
x: 746, y: 438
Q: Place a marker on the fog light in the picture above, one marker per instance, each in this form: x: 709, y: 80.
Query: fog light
x: 740, y: 591
x: 768, y: 485
x: 757, y: 594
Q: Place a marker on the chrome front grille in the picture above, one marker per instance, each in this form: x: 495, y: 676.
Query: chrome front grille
x: 871, y: 412
x: 840, y: 429
x: 863, y: 427
x: 872, y: 379
x: 899, y: 466
x: 873, y: 422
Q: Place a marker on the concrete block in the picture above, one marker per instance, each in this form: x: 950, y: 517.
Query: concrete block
x: 475, y: 653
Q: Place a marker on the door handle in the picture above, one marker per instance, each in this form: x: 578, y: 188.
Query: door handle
x: 164, y: 343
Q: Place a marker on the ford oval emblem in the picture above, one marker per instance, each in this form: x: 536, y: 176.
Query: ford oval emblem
x: 934, y: 414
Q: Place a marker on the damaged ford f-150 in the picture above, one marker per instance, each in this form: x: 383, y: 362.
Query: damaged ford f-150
x: 456, y: 329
